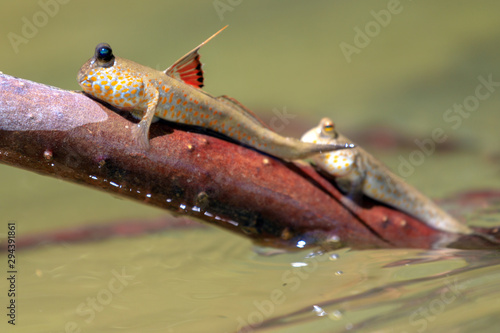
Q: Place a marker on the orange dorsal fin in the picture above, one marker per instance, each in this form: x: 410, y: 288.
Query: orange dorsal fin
x: 243, y: 109
x: 188, y: 68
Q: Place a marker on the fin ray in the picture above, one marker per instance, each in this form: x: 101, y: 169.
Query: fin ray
x: 188, y: 68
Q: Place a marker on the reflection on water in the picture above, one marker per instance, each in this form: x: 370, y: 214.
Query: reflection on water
x: 410, y: 303
x: 180, y: 282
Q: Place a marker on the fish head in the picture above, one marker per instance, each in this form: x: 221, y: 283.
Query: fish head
x: 326, y: 129
x: 112, y: 79
x: 322, y: 134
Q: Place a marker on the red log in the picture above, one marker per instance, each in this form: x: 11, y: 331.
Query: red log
x: 70, y: 136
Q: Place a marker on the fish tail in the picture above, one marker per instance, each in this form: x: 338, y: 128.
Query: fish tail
x: 273, y: 143
x: 293, y: 149
x: 426, y: 210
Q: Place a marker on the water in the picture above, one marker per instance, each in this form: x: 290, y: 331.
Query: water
x: 273, y: 57
x: 181, y: 282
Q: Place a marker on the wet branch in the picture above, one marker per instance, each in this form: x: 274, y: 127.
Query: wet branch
x: 70, y: 136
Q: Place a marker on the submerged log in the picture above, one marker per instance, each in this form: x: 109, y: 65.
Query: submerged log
x: 276, y: 203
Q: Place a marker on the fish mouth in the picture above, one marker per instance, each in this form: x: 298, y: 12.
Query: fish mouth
x: 82, y: 73
x: 81, y: 78
x: 83, y: 82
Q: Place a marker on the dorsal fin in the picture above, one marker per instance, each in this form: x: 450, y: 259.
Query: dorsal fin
x: 243, y: 109
x: 188, y: 68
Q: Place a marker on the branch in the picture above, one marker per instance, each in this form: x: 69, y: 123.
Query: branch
x: 70, y: 136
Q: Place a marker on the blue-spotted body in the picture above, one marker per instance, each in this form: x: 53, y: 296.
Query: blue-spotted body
x: 176, y: 95
x: 357, y: 172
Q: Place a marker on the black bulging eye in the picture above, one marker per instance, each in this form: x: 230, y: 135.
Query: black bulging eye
x: 103, y: 53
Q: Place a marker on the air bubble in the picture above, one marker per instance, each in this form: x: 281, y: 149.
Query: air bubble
x: 319, y: 311
x: 47, y: 154
x: 333, y: 257
x: 298, y: 264
x: 301, y: 244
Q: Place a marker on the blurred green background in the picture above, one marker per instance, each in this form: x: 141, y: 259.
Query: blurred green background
x: 275, y: 55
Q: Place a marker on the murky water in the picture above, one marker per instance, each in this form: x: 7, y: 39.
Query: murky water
x: 274, y: 57
x: 181, y: 282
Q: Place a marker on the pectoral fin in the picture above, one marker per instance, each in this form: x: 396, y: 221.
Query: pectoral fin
x: 188, y: 68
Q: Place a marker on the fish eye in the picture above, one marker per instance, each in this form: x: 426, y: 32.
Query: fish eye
x: 328, y: 127
x: 104, y: 53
